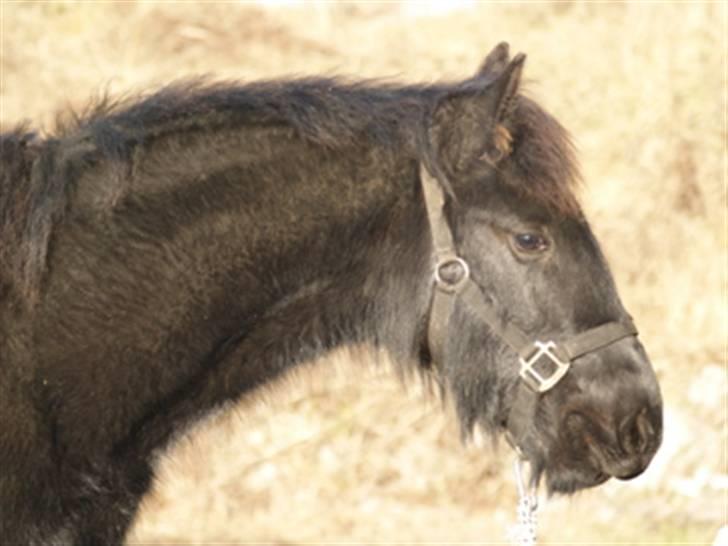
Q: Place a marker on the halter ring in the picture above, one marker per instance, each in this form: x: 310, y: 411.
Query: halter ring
x: 447, y: 284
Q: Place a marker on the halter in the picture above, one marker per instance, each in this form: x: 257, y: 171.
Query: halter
x: 542, y: 363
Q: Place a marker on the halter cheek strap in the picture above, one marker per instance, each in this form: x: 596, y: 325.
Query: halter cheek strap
x: 542, y: 363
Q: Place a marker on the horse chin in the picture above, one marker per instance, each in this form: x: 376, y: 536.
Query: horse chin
x: 560, y: 479
x: 566, y: 482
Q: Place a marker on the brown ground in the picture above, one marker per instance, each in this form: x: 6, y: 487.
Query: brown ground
x: 352, y: 457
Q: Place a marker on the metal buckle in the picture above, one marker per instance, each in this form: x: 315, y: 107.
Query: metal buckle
x: 446, y: 282
x: 532, y: 377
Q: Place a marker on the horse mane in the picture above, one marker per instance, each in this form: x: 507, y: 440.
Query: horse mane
x: 22, y: 212
x: 544, y: 158
x: 36, y: 174
x: 325, y: 111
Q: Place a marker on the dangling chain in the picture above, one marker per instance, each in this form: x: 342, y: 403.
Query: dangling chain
x: 523, y: 533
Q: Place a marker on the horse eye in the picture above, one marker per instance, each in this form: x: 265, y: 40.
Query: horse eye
x: 531, y: 242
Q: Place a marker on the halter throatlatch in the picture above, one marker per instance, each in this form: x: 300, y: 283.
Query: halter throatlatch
x: 542, y: 363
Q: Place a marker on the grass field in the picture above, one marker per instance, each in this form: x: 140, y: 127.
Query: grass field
x: 348, y: 454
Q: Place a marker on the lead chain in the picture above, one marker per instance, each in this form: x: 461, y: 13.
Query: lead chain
x: 523, y: 532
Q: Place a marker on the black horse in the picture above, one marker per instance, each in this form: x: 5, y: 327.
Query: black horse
x: 163, y: 256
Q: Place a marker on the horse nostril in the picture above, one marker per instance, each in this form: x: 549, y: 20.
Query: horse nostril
x: 635, y: 433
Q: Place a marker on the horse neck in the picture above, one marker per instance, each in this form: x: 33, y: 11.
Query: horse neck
x: 219, y: 270
x: 302, y: 249
x: 334, y: 253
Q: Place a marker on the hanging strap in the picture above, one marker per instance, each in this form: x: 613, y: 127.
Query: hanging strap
x: 450, y: 271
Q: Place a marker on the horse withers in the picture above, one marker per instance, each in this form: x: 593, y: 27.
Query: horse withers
x: 163, y: 256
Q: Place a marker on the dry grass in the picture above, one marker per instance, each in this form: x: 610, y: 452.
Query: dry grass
x: 641, y: 86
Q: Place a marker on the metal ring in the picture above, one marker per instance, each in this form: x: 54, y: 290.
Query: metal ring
x: 450, y: 286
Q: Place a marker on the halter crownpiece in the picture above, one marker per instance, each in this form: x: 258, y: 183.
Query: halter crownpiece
x: 542, y: 363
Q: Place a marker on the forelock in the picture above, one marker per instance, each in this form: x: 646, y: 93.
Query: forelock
x: 544, y: 159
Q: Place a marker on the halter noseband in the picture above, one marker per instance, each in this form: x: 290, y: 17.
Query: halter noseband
x: 452, y: 277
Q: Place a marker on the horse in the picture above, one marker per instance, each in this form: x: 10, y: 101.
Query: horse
x: 165, y: 255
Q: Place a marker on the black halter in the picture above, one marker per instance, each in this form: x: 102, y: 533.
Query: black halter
x: 543, y: 363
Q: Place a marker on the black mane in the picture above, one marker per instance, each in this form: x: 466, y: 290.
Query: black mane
x: 326, y: 111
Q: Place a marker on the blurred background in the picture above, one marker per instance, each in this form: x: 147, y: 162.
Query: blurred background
x: 349, y: 454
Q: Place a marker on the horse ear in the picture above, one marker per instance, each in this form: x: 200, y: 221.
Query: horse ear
x: 471, y: 122
x: 505, y: 88
x: 495, y: 62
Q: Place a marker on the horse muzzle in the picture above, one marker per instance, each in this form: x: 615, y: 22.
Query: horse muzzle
x: 617, y: 417
x: 624, y: 450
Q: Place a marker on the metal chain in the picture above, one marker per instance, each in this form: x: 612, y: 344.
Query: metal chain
x: 523, y: 533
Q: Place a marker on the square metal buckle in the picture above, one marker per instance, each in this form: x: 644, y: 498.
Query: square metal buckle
x: 531, y: 375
